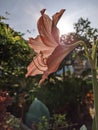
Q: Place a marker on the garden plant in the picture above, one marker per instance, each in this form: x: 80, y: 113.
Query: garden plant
x: 50, y: 53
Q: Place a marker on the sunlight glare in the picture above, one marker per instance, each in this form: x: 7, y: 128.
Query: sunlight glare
x: 65, y: 27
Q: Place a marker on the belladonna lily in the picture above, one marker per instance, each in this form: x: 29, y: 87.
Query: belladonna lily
x: 50, y: 53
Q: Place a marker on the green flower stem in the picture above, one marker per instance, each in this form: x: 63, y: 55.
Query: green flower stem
x: 92, y: 59
x: 95, y: 91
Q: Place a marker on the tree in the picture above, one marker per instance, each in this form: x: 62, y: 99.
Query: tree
x: 14, y: 56
x: 85, y: 31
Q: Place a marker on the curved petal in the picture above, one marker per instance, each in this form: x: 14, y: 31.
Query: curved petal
x: 56, y: 58
x: 32, y: 70
x: 45, y: 29
x: 55, y: 19
x: 57, y: 16
x: 38, y: 46
x: 37, y: 66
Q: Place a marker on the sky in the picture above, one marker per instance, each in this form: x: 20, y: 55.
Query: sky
x: 23, y: 14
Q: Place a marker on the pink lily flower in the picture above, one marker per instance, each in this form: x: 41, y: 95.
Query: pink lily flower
x: 50, y: 52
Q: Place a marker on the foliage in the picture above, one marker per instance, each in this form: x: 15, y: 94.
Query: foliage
x: 44, y: 124
x: 91, y: 36
x: 88, y: 34
x: 85, y: 31
x: 5, y: 100
x: 7, y: 120
x: 15, y: 55
x: 13, y: 123
x: 62, y: 96
x: 54, y: 89
x: 59, y: 121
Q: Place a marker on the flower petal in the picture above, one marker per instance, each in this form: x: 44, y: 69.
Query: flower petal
x: 50, y: 52
x: 55, y: 19
x: 37, y: 66
x: 45, y: 30
x: 38, y: 46
x: 57, y: 16
x: 56, y: 58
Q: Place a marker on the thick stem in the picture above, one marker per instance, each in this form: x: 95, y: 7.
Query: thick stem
x: 95, y: 91
x: 63, y: 73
